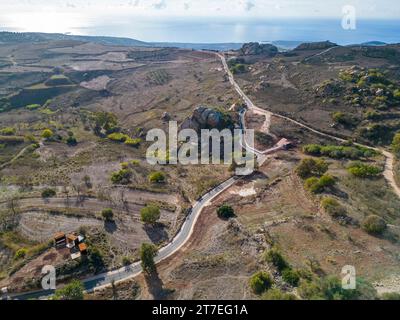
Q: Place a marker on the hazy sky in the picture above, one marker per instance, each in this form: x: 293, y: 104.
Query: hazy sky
x: 76, y: 16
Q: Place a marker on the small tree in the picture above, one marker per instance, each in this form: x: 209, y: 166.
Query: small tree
x: 72, y: 291
x: 47, y: 134
x: 147, y: 254
x: 157, y: 177
x: 291, y: 277
x: 261, y: 282
x: 48, y: 193
x: 275, y: 257
x: 310, y: 167
x: 150, y: 214
x: 107, y: 214
x: 225, y: 212
x: 374, y: 225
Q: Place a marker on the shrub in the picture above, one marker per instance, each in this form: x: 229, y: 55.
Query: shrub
x: 396, y: 144
x: 274, y: 257
x: 72, y: 291
x: 8, y: 131
x: 276, y: 294
x: 48, y: 193
x: 310, y: 167
x: 396, y: 94
x: 118, y: 137
x: 361, y: 170
x: 21, y: 253
x: 133, y: 142
x: 122, y: 176
x: 150, y: 214
x: 374, y: 225
x: 390, y: 296
x: 260, y: 282
x: 71, y: 141
x: 333, y: 207
x: 291, y: 277
x: 157, y: 177
x: 107, y: 214
x: 316, y: 185
x: 225, y: 212
x: 126, y: 261
x: 33, y: 106
x: 47, y: 134
x: 147, y: 254
x: 312, y: 149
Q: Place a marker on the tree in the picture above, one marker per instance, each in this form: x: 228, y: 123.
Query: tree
x: 147, y: 254
x: 274, y: 257
x: 396, y: 144
x: 374, y: 224
x: 157, y: 177
x: 150, y: 214
x: 261, y: 282
x: 47, y: 134
x: 72, y: 291
x: 48, y: 193
x: 291, y: 277
x: 107, y: 214
x: 310, y: 167
x: 225, y: 212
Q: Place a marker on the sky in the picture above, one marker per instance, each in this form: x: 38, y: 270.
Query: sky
x: 84, y: 16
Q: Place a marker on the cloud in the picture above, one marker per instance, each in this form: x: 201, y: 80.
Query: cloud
x: 249, y: 5
x: 186, y: 6
x: 160, y: 5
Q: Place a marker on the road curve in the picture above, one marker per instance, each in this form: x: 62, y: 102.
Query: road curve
x: 389, y: 163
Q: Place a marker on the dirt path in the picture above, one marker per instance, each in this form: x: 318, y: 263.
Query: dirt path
x: 389, y: 164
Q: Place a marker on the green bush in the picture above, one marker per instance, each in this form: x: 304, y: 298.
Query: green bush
x: 71, y: 141
x: 361, y: 170
x: 33, y: 106
x: 310, y: 167
x: 396, y: 144
x: 276, y: 294
x: 107, y: 214
x: 147, y: 254
x: 374, y: 225
x: 133, y: 142
x: 48, y: 193
x: 225, y: 212
x: 118, y: 137
x: 333, y: 207
x: 72, y: 291
x: 316, y: 185
x: 339, y: 152
x: 157, y: 177
x: 274, y: 257
x: 8, y: 131
x: 261, y: 282
x: 47, y: 134
x: 122, y: 176
x: 390, y: 296
x: 291, y: 277
x: 150, y: 214
x: 20, y: 254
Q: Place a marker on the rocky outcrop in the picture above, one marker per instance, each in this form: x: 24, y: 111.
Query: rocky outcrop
x: 204, y: 118
x: 255, y: 48
x: 316, y: 46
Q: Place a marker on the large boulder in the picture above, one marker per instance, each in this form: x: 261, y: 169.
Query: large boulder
x: 204, y: 118
x: 255, y: 48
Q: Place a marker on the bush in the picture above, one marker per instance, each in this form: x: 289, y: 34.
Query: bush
x: 361, y: 170
x: 107, y: 214
x: 225, y: 212
x: 157, y: 177
x: 126, y: 261
x: 390, y: 296
x: 310, y: 167
x: 33, y: 106
x: 396, y: 144
x: 147, y: 254
x: 118, y: 137
x: 47, y: 134
x: 333, y: 207
x: 72, y: 291
x: 150, y: 214
x: 316, y: 185
x: 122, y: 176
x: 274, y: 257
x: 48, y: 193
x: 291, y: 277
x: 276, y: 294
x: 8, y: 131
x: 261, y: 282
x: 20, y: 254
x: 133, y: 142
x: 71, y: 141
x: 374, y: 225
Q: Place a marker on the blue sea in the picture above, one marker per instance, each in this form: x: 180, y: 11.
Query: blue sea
x: 223, y: 30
